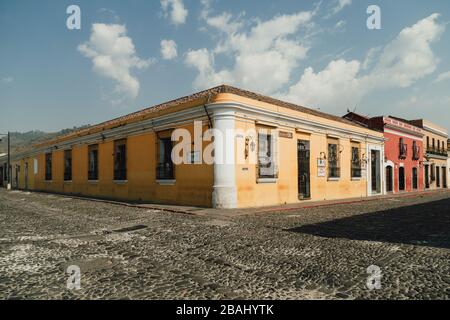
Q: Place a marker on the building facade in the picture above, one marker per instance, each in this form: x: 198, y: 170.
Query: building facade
x: 271, y: 152
x: 403, y: 148
x: 435, y: 154
x: 448, y: 162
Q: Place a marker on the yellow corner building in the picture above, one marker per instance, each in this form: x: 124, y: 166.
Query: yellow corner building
x: 280, y: 153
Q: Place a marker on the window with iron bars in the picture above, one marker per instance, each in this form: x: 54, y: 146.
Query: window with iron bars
x: 356, y: 163
x: 165, y: 169
x: 416, y: 151
x: 5, y: 172
x: 266, y: 160
x: 437, y: 151
x: 67, y: 165
x: 93, y: 162
x: 334, y: 170
x: 403, y: 152
x: 48, y: 166
x: 120, y: 160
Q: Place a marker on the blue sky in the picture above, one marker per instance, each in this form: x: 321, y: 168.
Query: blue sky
x: 133, y: 54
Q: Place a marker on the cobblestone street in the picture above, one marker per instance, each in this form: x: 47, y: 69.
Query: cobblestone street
x: 310, y: 253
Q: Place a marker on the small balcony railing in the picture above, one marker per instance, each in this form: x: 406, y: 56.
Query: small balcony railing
x: 437, y: 151
x: 403, y: 151
x: 416, y: 153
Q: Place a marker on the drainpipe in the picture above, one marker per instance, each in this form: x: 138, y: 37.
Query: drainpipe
x: 206, y: 111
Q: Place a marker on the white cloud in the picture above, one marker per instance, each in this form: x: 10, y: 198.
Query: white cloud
x: 443, y: 77
x: 224, y: 22
x: 111, y: 13
x: 399, y: 64
x: 7, y: 79
x: 175, y: 10
x: 371, y: 56
x: 336, y: 84
x: 409, y: 57
x: 340, y: 24
x: 269, y: 48
x: 342, y: 4
x: 206, y: 8
x: 114, y: 56
x: 338, y: 6
x: 168, y: 49
x: 425, y: 103
x: 203, y: 61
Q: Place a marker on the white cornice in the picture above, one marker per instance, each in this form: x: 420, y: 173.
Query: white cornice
x: 217, y: 110
x: 436, y: 131
x: 135, y: 128
x: 277, y: 118
x: 398, y: 133
x: 435, y: 156
x: 403, y: 131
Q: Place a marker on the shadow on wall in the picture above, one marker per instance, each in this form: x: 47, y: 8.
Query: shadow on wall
x: 426, y: 224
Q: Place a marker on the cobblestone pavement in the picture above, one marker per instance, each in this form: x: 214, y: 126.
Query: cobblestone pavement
x: 314, y: 253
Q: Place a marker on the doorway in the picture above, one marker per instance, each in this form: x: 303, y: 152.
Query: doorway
x: 401, y: 179
x: 444, y: 177
x: 438, y: 177
x: 303, y: 159
x: 375, y: 176
x: 427, y: 178
x: 389, y: 179
x: 26, y: 175
x: 16, y: 178
x: 414, y: 178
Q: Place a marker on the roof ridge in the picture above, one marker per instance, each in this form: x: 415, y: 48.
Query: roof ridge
x: 223, y: 88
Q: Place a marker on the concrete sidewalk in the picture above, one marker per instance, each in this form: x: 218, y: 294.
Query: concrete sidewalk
x: 311, y: 204
x: 230, y: 213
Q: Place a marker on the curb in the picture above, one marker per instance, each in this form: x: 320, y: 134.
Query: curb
x: 281, y: 209
x: 130, y: 205
x: 118, y: 203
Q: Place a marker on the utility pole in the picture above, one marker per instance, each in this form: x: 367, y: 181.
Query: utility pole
x: 8, y: 171
x: 9, y: 162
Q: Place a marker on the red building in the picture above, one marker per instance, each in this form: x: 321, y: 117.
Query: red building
x: 403, y: 150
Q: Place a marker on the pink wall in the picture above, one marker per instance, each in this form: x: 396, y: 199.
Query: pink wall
x: 392, y: 153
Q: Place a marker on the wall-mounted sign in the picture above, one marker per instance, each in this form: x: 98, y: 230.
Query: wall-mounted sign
x: 321, y: 163
x: 321, y: 172
x: 285, y: 134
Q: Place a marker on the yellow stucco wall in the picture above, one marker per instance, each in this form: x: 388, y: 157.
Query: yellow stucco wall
x: 431, y: 135
x: 250, y: 193
x: 437, y: 161
x: 285, y: 189
x: 193, y: 185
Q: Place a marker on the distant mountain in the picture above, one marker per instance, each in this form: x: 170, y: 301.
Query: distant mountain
x: 22, y: 139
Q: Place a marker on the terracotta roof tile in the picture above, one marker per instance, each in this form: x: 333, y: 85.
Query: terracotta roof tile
x: 141, y: 114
